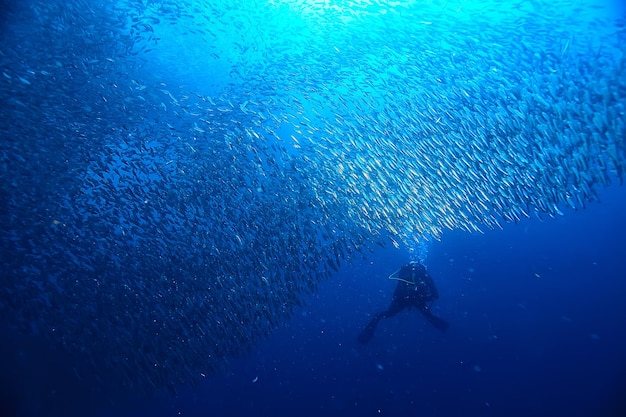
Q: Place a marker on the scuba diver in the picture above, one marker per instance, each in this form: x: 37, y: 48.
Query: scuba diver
x: 415, y: 289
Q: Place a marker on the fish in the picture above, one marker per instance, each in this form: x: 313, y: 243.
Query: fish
x: 176, y: 246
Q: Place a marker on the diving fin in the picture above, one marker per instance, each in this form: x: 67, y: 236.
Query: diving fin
x: 368, y: 332
x: 437, y: 322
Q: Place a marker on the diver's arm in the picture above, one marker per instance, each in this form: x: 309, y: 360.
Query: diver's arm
x: 431, y: 284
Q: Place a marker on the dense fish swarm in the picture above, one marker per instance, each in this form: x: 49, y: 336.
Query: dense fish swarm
x: 177, y: 174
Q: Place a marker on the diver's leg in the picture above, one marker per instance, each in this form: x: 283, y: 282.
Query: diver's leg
x: 437, y: 322
x: 368, y: 331
x: 396, y: 306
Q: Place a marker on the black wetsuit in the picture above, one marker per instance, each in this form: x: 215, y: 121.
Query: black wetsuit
x: 415, y: 289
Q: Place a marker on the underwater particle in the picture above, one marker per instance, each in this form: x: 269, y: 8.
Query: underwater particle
x: 504, y: 159
x: 477, y: 368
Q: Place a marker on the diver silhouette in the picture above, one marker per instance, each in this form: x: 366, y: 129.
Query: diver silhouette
x: 415, y: 289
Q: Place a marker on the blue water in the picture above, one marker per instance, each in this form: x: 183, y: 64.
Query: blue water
x: 537, y: 317
x: 120, y: 175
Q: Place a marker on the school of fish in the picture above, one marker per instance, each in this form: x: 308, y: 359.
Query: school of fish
x: 178, y: 175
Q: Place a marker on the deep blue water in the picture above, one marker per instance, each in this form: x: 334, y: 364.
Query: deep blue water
x: 185, y: 193
x: 537, y: 317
